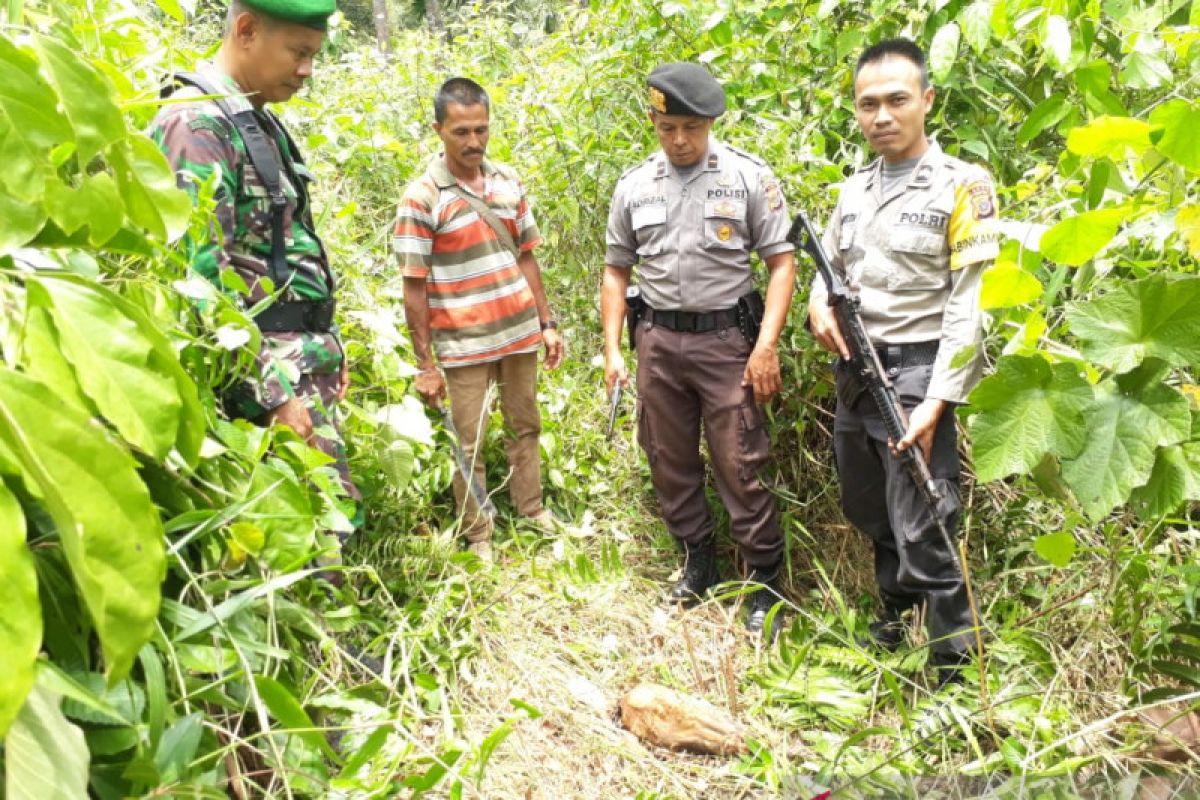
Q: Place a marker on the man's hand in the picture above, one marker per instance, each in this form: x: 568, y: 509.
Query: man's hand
x: 343, y: 380
x: 614, y: 371
x: 762, y: 373
x: 922, y: 424
x: 294, y: 415
x: 431, y: 386
x: 554, y: 347
x: 824, y: 326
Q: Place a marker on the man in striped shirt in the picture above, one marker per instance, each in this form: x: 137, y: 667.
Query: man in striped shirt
x: 473, y: 296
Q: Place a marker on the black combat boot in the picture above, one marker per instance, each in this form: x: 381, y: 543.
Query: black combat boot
x: 760, y: 602
x: 699, y: 573
x: 887, y: 633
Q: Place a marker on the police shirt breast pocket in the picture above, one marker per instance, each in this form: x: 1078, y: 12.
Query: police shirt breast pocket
x: 920, y: 261
x: 649, y: 223
x: 847, y: 231
x: 724, y: 225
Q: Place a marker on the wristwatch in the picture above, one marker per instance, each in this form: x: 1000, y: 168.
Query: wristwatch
x: 549, y: 323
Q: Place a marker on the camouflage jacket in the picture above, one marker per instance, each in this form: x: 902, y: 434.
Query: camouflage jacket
x: 200, y: 142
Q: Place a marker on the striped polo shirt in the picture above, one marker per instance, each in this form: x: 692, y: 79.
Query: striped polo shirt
x: 480, y: 306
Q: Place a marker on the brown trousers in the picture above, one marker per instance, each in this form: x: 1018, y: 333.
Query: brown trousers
x: 516, y: 378
x: 687, y: 378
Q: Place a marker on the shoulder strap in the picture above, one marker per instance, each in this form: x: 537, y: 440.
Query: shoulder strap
x: 264, y: 157
x: 489, y: 216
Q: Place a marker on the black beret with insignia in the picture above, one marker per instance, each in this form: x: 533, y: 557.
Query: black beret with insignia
x: 685, y: 88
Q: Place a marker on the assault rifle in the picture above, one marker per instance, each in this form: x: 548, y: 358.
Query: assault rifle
x: 864, y: 360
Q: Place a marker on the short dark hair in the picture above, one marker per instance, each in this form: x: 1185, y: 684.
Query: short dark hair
x: 901, y: 48
x: 237, y: 8
x: 463, y: 91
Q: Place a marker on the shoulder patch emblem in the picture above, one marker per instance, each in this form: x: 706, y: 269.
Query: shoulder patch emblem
x: 207, y: 124
x: 980, y: 193
x: 774, y: 196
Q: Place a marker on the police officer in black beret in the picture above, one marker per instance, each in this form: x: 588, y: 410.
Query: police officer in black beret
x: 688, y: 218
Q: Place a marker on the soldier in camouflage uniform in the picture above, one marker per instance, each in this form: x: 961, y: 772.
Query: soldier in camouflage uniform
x: 301, y: 371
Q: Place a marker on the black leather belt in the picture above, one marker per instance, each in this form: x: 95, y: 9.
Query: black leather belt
x: 912, y: 354
x: 693, y: 321
x: 315, y: 317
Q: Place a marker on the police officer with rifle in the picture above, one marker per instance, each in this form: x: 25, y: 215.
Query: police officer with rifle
x: 897, y: 297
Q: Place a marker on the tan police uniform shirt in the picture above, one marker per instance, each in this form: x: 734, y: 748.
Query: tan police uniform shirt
x: 692, y: 237
x: 916, y: 259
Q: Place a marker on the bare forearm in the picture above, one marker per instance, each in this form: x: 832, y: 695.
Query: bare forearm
x: 612, y: 306
x: 781, y: 284
x: 416, y: 312
x: 533, y: 276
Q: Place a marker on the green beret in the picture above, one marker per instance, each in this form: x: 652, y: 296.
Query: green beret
x: 685, y: 88
x: 309, y: 13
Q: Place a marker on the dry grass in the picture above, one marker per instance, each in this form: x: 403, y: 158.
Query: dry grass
x: 570, y: 645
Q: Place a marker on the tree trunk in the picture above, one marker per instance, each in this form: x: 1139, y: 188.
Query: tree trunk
x: 382, y: 33
x: 433, y: 16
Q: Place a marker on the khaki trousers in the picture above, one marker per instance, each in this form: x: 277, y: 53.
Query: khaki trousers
x: 516, y: 378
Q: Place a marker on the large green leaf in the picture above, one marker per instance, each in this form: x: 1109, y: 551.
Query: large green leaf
x: 1005, y: 285
x: 1046, y: 113
x: 282, y: 507
x: 1056, y: 39
x: 112, y: 361
x: 1093, y: 79
x: 1110, y: 137
x: 1144, y: 71
x: 65, y: 291
x: 1079, y: 237
x: 1058, y: 548
x: 86, y: 98
x: 20, y: 611
x: 1126, y: 425
x: 96, y: 203
x: 46, y: 757
x: 943, y: 51
x: 1155, y: 317
x: 110, y: 530
x: 976, y: 21
x: 42, y: 359
x: 1174, y: 480
x: 20, y: 222
x: 1187, y: 222
x: 1180, y: 124
x: 29, y: 99
x: 152, y: 199
x: 24, y: 174
x: 1026, y: 409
